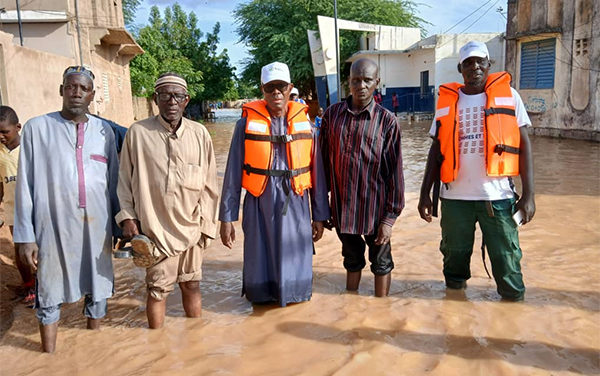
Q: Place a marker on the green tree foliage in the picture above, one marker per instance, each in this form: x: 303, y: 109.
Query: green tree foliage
x: 219, y: 82
x: 169, y: 45
x: 173, y: 43
x: 247, y: 89
x: 275, y: 30
x: 129, y: 8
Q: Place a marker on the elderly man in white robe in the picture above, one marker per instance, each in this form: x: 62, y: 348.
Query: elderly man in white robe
x: 65, y: 203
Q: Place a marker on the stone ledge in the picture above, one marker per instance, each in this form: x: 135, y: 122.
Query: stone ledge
x: 577, y: 134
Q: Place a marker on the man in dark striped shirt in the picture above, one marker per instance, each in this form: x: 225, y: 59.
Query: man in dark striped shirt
x: 363, y: 159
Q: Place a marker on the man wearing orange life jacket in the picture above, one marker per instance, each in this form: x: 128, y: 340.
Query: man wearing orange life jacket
x: 274, y: 156
x: 480, y: 142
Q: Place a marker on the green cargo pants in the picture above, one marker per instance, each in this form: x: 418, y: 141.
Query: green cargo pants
x: 501, y: 239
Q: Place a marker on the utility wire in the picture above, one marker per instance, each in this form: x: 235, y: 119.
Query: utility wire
x: 479, y: 19
x: 573, y: 60
x: 467, y: 16
x: 577, y: 65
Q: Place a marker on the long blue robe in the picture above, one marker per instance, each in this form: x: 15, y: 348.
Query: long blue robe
x: 278, y: 248
x: 74, y: 257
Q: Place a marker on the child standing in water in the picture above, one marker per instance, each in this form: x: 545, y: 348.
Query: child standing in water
x: 9, y: 160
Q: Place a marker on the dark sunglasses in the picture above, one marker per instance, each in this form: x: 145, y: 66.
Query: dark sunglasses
x: 165, y: 97
x: 270, y: 87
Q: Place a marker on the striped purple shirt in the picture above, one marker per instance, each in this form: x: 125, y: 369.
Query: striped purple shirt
x: 362, y: 154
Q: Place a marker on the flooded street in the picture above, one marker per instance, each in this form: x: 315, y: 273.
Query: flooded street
x: 420, y: 328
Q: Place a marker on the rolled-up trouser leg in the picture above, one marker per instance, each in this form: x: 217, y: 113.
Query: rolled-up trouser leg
x: 48, y: 315
x: 94, y: 310
x: 353, y: 251
x: 184, y: 267
x: 380, y: 256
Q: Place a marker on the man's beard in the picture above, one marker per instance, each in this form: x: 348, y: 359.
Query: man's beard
x: 76, y: 111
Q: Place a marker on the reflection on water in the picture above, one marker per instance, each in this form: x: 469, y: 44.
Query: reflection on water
x: 420, y: 328
x: 567, y: 167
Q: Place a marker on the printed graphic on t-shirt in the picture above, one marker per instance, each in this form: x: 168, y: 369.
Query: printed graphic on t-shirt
x: 470, y: 134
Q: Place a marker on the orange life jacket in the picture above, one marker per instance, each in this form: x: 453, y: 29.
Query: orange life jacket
x: 501, y: 131
x: 259, y: 150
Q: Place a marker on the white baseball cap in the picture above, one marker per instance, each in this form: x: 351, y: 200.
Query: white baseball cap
x: 275, y: 72
x: 473, y: 48
x: 295, y: 91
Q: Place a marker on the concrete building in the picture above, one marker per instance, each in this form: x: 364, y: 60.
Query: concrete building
x: 416, y: 72
x: 553, y: 53
x: 59, y: 33
x: 409, y: 66
x: 325, y: 59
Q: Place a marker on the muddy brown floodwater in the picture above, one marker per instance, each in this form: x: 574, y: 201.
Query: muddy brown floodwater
x: 420, y: 328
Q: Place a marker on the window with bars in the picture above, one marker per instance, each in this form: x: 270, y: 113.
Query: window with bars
x: 537, y: 64
x: 581, y: 47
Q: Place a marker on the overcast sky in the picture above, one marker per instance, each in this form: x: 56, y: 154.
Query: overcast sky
x: 442, y: 14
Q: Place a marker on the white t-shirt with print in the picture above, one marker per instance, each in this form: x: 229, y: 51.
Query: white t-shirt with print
x: 472, y: 182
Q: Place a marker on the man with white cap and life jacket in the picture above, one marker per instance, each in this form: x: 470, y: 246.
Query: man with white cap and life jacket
x: 169, y: 195
x: 275, y: 157
x: 480, y: 142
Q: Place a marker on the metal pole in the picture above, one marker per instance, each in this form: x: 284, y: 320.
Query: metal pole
x: 20, y: 23
x: 337, y: 50
x: 78, y: 33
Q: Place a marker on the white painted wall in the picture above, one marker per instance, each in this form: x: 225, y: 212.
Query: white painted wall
x: 446, y: 54
x: 403, y: 68
x: 393, y: 38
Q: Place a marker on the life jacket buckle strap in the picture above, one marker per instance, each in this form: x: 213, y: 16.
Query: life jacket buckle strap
x: 282, y: 139
x: 295, y: 137
x: 500, y: 148
x: 279, y: 139
x: 498, y: 111
x: 288, y: 174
